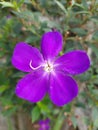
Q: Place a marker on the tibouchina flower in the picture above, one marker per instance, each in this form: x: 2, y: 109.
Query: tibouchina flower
x: 48, y: 73
x: 44, y: 124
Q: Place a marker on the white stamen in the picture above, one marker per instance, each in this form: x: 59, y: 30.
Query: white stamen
x: 33, y: 68
x: 48, y: 67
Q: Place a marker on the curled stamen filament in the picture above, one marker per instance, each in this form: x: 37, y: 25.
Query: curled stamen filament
x: 33, y: 68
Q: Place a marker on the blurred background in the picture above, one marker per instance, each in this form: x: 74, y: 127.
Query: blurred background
x: 27, y: 20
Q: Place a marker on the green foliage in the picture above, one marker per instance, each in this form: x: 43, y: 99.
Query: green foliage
x: 74, y: 121
x: 27, y: 20
x: 35, y: 114
x: 95, y: 36
x: 6, y: 4
x: 94, y: 117
x: 61, y: 6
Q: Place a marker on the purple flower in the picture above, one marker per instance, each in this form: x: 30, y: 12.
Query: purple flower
x: 8, y: 16
x: 44, y: 124
x: 48, y: 73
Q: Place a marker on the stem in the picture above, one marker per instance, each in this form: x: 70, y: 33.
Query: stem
x: 9, y: 124
x: 59, y: 120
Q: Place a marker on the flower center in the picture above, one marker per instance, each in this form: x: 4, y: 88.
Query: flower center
x: 48, y: 67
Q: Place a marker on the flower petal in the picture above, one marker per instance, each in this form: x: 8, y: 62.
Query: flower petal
x: 32, y: 87
x: 23, y: 54
x: 44, y: 124
x: 74, y: 62
x: 62, y: 89
x: 51, y: 44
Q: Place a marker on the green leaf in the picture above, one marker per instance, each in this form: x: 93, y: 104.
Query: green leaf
x: 3, y: 88
x: 95, y: 49
x: 6, y: 4
x: 68, y: 107
x: 95, y: 19
x: 58, y: 123
x: 84, y: 77
x: 84, y: 3
x: 61, y: 6
x: 95, y: 117
x: 9, y: 111
x: 79, y: 31
x: 96, y: 123
x: 18, y: 74
x: 20, y: 2
x: 35, y: 114
x: 80, y: 104
x: 95, y: 36
x: 27, y: 1
x: 79, y: 5
x: 94, y: 113
x: 43, y: 107
x: 82, y: 12
x: 74, y: 121
x: 5, y: 101
x: 31, y: 39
